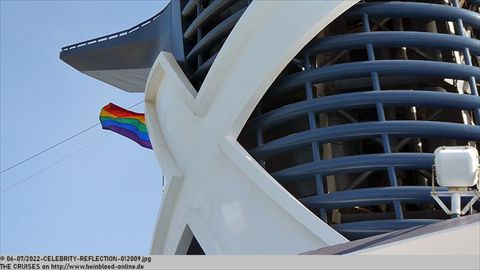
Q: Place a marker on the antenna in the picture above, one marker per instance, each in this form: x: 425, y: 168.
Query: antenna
x: 458, y: 168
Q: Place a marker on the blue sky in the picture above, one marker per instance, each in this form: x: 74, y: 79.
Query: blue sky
x: 104, y: 194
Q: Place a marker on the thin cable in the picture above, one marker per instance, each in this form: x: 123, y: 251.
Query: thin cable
x: 141, y: 101
x: 57, y: 162
x: 59, y: 143
x: 49, y: 148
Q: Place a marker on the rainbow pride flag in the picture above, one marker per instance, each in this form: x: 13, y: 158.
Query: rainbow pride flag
x: 126, y: 123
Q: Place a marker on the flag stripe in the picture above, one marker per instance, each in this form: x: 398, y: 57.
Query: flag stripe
x: 130, y: 135
x: 117, y: 110
x: 139, y: 125
x: 126, y: 123
x: 132, y: 128
x: 108, y: 114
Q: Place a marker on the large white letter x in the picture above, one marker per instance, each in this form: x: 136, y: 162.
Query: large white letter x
x: 229, y: 202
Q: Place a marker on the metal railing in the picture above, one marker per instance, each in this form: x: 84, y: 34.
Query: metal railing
x: 333, y: 127
x: 114, y: 35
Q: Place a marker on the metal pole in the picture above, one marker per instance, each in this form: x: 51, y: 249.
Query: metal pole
x: 456, y: 207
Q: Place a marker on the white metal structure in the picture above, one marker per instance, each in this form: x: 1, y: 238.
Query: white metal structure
x: 456, y: 167
x: 215, y: 190
x: 227, y: 200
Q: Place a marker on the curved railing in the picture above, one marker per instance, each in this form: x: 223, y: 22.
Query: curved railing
x: 384, y: 185
x: 207, y: 25
x: 344, y: 95
x: 114, y: 35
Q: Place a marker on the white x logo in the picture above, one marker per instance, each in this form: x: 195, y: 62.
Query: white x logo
x: 230, y: 203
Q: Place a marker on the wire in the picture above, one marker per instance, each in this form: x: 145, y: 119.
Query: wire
x: 52, y: 165
x: 49, y: 148
x: 57, y: 144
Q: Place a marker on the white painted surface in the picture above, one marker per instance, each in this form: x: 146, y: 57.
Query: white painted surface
x: 230, y: 203
x: 456, y: 166
x: 461, y: 240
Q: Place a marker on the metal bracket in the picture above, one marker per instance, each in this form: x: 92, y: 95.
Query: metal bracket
x: 475, y: 194
x: 467, y: 193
